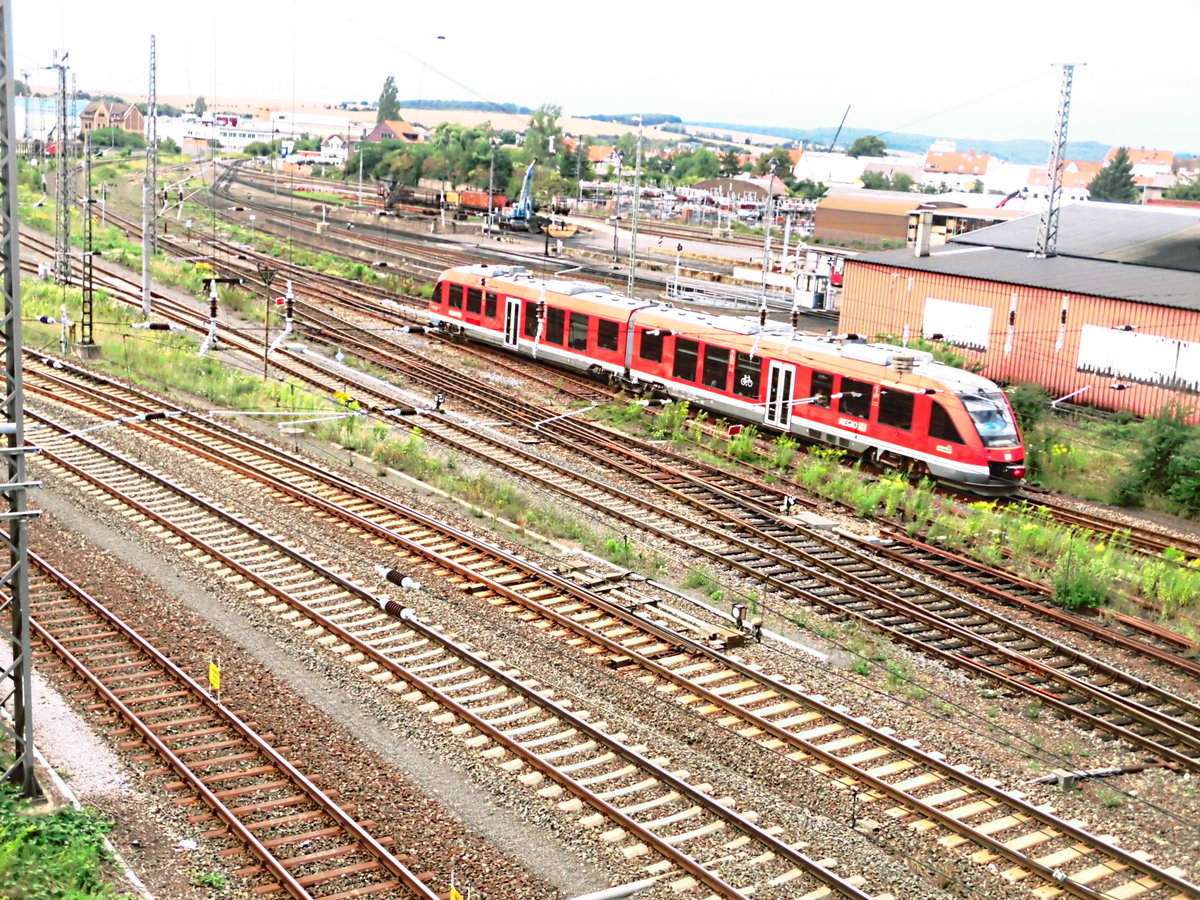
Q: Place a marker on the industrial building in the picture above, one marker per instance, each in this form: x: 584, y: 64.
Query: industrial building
x: 1111, y: 320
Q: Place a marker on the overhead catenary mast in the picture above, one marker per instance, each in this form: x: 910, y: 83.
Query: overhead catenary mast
x: 16, y: 693
x: 150, y: 187
x: 637, y: 203
x: 62, y: 218
x: 1047, y: 236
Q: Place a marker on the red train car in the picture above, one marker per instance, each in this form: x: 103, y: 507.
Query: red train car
x: 894, y: 405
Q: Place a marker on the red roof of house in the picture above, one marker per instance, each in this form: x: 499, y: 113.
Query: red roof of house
x: 1140, y: 156
x: 950, y: 162
x: 599, y: 153
x: 1077, y: 173
x: 395, y: 130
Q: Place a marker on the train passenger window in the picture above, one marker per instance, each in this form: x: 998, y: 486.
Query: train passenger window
x: 474, y: 300
x: 821, y: 389
x: 856, y: 398
x: 531, y: 319
x: 687, y: 355
x: 579, y: 330
x: 716, y: 368
x: 747, y: 376
x: 607, y: 333
x: 556, y: 321
x: 489, y: 304
x: 941, y: 426
x: 651, y: 345
x: 896, y: 409
x: 456, y: 296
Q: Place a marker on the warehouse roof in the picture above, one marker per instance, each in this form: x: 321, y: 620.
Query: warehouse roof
x: 1116, y: 232
x: 1095, y: 277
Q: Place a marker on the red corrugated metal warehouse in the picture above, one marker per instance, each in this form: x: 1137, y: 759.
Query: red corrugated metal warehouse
x: 1113, y: 318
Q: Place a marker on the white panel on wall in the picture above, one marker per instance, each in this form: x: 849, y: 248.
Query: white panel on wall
x: 1144, y: 358
x: 963, y: 324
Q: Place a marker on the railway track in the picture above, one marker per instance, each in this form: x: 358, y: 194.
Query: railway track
x: 923, y: 618
x: 702, y: 839
x: 921, y: 790
x: 803, y: 568
x: 257, y: 803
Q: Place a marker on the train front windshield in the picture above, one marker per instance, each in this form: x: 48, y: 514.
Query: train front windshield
x: 993, y: 419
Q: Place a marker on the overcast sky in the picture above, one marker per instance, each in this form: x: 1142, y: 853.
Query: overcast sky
x: 970, y: 70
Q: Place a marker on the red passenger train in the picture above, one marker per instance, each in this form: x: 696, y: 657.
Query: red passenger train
x: 894, y: 405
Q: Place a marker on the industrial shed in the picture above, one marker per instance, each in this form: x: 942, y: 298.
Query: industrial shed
x: 1113, y: 319
x: 864, y: 217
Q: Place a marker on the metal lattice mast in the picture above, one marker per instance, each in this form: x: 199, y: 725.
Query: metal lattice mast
x: 1047, y: 237
x: 150, y: 188
x: 62, y: 227
x: 85, y: 313
x: 16, y: 694
x: 637, y: 203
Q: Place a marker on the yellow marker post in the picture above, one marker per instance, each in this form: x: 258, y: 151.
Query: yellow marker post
x: 214, y: 678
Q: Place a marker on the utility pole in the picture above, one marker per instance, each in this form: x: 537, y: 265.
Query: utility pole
x: 87, y: 346
x: 1047, y: 236
x: 617, y: 204
x: 637, y: 203
x: 150, y: 188
x: 16, y: 678
x: 491, y: 184
x: 62, y: 218
x: 768, y: 215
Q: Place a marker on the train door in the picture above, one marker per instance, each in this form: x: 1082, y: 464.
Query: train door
x: 512, y: 320
x: 781, y: 384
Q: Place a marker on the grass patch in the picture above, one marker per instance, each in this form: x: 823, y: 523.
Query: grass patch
x: 52, y: 855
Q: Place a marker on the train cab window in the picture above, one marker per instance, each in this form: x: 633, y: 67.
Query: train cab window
x: 437, y: 295
x: 747, y: 376
x: 651, y: 345
x: 489, y: 304
x: 992, y: 419
x: 716, y: 368
x: 856, y: 398
x: 556, y: 321
x: 607, y: 333
x: 687, y: 355
x: 474, y: 300
x: 456, y: 296
x: 896, y: 409
x: 531, y: 319
x: 821, y: 388
x: 941, y: 426
x: 579, y: 331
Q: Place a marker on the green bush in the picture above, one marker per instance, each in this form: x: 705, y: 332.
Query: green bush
x: 1031, y: 404
x: 51, y: 855
x: 1078, y: 586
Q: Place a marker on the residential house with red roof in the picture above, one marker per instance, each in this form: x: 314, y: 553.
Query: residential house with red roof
x: 394, y: 131
x: 958, y: 170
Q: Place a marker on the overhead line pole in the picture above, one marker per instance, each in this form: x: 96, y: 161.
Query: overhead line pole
x: 1047, y: 236
x: 150, y: 186
x: 16, y: 692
